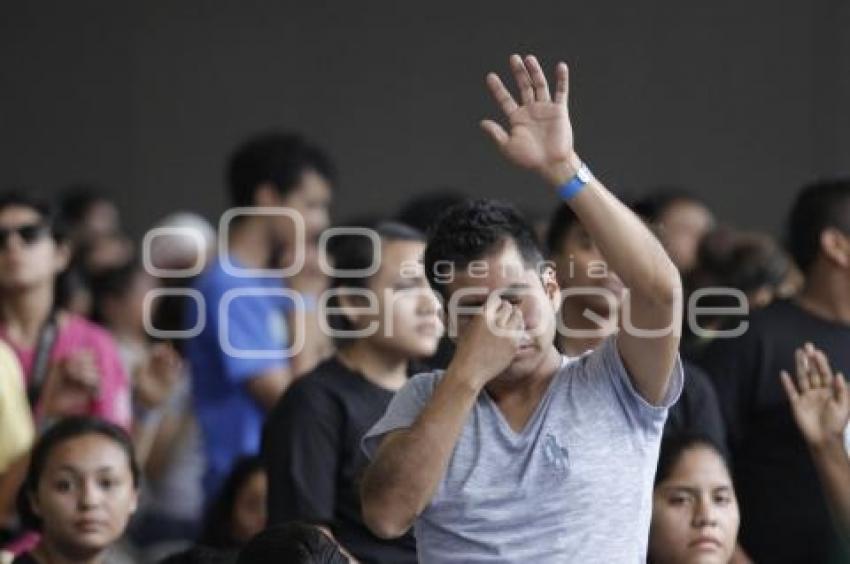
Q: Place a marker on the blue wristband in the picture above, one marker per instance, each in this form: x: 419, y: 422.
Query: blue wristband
x: 574, y: 185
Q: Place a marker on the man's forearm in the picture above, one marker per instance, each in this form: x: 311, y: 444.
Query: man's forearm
x: 833, y: 467
x: 629, y: 247
x: 651, y: 312
x: 401, y: 481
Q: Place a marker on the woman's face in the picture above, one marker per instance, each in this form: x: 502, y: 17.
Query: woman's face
x: 86, y: 494
x: 683, y: 225
x: 407, y: 313
x: 694, y: 513
x: 249, y: 508
x: 28, y: 254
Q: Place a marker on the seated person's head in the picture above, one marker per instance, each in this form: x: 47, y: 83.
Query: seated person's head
x: 279, y: 169
x: 747, y: 261
x: 680, y: 219
x: 32, y: 243
x: 81, y: 487
x: 423, y: 210
x: 694, y: 511
x: 481, y: 247
x: 89, y: 213
x: 818, y: 229
x: 582, y: 271
x: 293, y: 543
x: 392, y: 310
x: 239, y: 511
x: 119, y: 295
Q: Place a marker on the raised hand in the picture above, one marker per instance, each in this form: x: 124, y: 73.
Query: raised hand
x: 71, y: 384
x: 819, y: 401
x: 155, y: 378
x: 541, y: 135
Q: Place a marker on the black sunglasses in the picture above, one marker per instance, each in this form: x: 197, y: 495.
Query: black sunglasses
x: 29, y: 234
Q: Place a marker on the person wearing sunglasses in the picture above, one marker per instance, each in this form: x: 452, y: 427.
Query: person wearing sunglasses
x: 70, y: 365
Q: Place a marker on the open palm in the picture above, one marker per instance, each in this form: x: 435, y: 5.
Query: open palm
x: 541, y: 136
x: 819, y: 401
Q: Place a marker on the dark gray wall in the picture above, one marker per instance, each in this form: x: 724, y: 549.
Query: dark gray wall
x: 740, y: 101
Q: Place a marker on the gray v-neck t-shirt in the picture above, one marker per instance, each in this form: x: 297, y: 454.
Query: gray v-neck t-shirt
x: 574, y: 486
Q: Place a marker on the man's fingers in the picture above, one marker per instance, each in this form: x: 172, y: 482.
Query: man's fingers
x: 788, y: 384
x: 503, y: 313
x: 812, y: 369
x: 501, y: 94
x: 839, y: 388
x: 523, y: 80
x: 496, y: 132
x: 802, y: 370
x: 538, y: 79
x: 562, y: 83
x: 821, y: 364
x: 491, y: 305
x: 516, y: 321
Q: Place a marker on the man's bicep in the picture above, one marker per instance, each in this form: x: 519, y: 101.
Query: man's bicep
x: 648, y: 343
x: 391, y: 442
x: 386, y: 450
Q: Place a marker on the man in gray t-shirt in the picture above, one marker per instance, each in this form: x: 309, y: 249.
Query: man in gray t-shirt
x: 575, y: 482
x: 516, y: 453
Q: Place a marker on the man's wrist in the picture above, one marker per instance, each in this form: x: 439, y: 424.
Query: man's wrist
x: 468, y: 378
x: 828, y: 445
x: 561, y: 172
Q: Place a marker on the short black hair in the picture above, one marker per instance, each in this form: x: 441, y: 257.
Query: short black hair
x: 217, y: 532
x: 28, y: 198
x: 60, y: 432
x: 293, y: 543
x: 473, y: 229
x: 77, y: 200
x: 422, y: 211
x: 674, y: 445
x: 279, y: 158
x: 355, y: 252
x: 739, y: 259
x: 112, y: 283
x: 562, y: 221
x: 819, y: 206
x: 652, y: 206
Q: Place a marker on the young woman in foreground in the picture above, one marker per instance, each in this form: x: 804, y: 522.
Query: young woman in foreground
x: 695, y: 514
x: 80, y: 491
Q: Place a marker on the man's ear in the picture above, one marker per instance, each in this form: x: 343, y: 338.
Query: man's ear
x: 835, y: 245
x: 351, y: 306
x: 267, y: 196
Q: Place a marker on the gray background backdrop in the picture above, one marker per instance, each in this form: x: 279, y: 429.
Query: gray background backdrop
x: 741, y: 102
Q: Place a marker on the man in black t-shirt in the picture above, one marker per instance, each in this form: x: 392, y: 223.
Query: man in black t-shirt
x: 311, y: 449
x: 311, y: 439
x: 784, y: 517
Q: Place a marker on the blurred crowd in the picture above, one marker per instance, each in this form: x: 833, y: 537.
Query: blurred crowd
x: 209, y: 390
